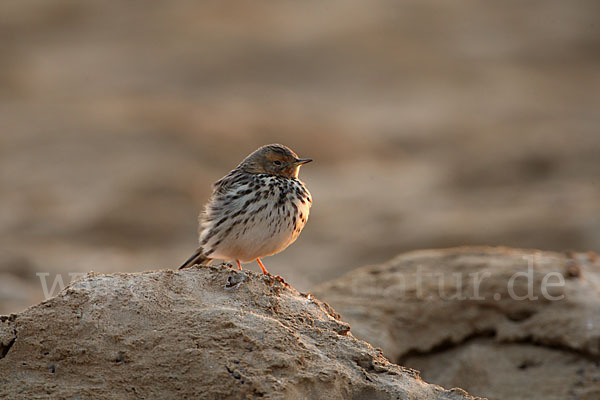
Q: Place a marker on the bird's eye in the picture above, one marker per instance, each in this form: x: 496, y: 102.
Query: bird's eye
x: 277, y: 162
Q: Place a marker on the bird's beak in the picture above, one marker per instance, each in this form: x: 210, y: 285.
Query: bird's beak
x: 302, y: 161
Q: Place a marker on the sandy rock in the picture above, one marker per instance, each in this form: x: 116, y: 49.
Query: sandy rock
x: 530, y: 329
x: 210, y: 332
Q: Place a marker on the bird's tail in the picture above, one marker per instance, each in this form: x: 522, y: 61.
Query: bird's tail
x: 196, y: 259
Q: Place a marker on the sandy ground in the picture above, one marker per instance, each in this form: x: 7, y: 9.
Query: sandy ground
x: 431, y: 123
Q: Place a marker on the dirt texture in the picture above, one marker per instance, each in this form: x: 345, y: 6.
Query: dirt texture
x: 210, y: 332
x: 482, y: 318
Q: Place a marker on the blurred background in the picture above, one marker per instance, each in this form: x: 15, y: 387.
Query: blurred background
x: 431, y: 123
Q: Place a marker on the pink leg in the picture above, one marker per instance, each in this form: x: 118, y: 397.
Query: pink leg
x: 264, y: 270
x: 238, y: 264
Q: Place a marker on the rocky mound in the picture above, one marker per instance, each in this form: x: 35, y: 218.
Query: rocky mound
x: 501, y: 323
x: 210, y: 332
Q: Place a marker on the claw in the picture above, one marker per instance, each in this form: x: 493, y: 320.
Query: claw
x: 280, y: 279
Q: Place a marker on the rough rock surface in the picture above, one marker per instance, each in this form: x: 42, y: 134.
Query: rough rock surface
x: 210, y: 332
x: 423, y: 309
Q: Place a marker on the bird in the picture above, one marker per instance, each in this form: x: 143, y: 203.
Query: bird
x: 257, y: 210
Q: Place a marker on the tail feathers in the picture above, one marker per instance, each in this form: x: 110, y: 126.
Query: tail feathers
x: 196, y: 259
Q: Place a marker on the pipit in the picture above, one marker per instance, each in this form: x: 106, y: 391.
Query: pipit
x: 256, y: 210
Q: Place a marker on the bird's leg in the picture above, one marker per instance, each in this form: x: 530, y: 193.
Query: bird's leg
x: 238, y: 264
x: 264, y: 270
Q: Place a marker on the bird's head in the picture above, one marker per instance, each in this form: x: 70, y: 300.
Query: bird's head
x: 274, y: 159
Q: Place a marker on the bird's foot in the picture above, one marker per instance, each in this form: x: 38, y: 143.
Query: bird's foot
x: 280, y: 279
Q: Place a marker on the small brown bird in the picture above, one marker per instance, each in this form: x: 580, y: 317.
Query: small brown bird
x: 256, y: 210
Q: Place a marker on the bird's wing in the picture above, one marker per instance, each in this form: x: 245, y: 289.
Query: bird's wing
x: 221, y: 189
x: 224, y: 192
x: 223, y: 185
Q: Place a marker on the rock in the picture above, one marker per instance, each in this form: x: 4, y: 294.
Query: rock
x: 531, y: 330
x: 210, y: 332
